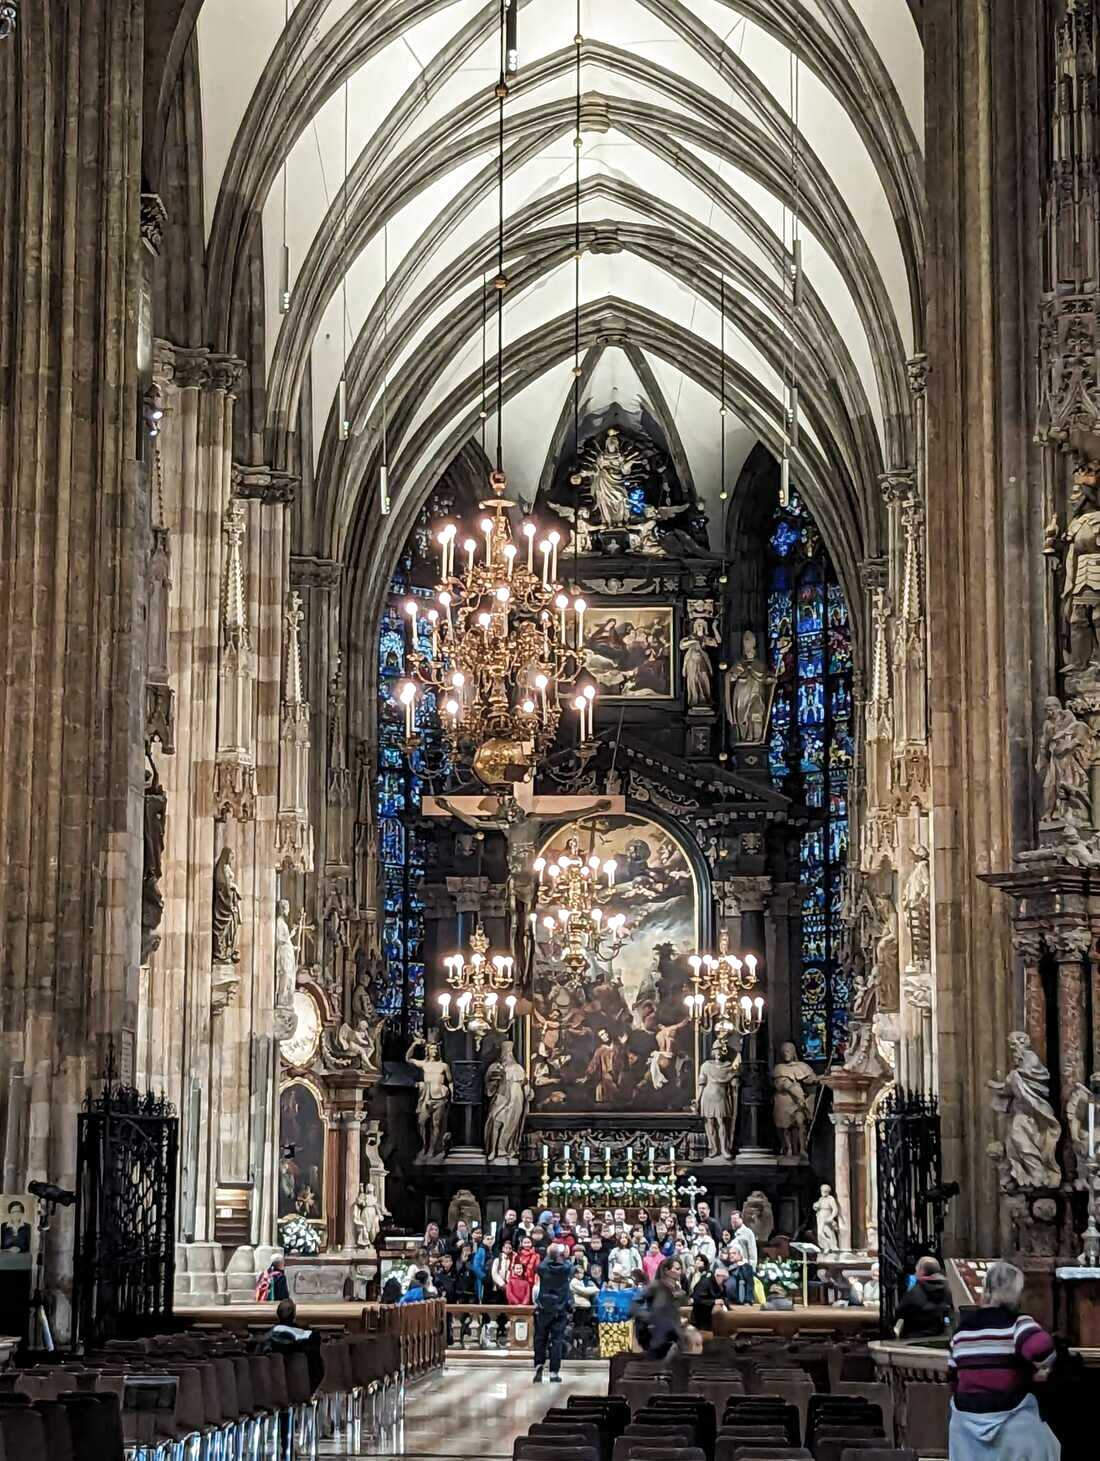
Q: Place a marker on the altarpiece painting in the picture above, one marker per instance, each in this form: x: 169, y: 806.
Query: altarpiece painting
x: 616, y: 1037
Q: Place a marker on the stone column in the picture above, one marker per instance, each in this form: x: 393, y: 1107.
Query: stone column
x: 353, y: 1141
x: 1070, y: 946
x: 844, y: 1194
x: 1028, y: 943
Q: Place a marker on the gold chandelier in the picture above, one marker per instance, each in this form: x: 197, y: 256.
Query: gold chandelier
x: 478, y: 1009
x: 721, y: 1002
x: 576, y: 928
x: 506, y: 646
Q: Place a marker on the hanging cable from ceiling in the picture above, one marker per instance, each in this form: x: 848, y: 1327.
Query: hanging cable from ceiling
x: 284, y: 252
x: 500, y: 283
x: 792, y: 291
x: 578, y: 42
x: 384, y: 470
x: 342, y: 393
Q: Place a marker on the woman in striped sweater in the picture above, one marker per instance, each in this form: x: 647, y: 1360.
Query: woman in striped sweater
x: 997, y: 1355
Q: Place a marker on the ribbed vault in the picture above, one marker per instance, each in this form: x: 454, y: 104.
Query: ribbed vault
x: 692, y: 171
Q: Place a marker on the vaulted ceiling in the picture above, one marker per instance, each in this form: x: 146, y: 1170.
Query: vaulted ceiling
x: 689, y: 186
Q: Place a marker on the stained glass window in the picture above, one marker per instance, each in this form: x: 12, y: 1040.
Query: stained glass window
x: 403, y: 845
x: 810, y: 753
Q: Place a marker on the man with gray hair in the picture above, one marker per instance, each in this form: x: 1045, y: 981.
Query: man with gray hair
x: 553, y: 1305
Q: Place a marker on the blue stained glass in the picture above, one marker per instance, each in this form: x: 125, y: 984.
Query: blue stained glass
x: 636, y: 498
x: 811, y: 748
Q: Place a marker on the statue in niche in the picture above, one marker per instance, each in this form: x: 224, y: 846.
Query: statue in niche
x: 1081, y: 1098
x: 916, y: 902
x: 286, y: 958
x: 1032, y: 1129
x: 647, y: 537
x: 1081, y: 589
x: 758, y: 1213
x: 887, y: 965
x: 366, y: 1217
x: 1066, y: 748
x: 362, y: 996
x: 152, y: 899
x: 227, y: 910
x: 748, y: 694
x: 719, y: 1078
x: 698, y: 672
x: 434, y: 1103
x: 463, y: 1208
x: 608, y: 470
x: 827, y: 1210
x: 337, y: 918
x: 509, y: 1096
x: 862, y: 1055
x: 581, y: 519
x: 792, y: 1110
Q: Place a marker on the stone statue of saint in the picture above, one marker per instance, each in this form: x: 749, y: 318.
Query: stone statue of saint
x: 463, y: 1208
x: 1081, y: 591
x: 791, y: 1107
x: 887, y: 965
x: 354, y: 1047
x: 862, y: 1054
x: 758, y: 1213
x: 227, y: 910
x: 719, y: 1079
x: 828, y: 1214
x: 152, y: 899
x: 366, y: 1217
x: 698, y: 673
x: 1066, y: 749
x: 748, y: 693
x: 916, y: 905
x: 581, y: 519
x: 646, y: 536
x: 1031, y: 1127
x: 509, y: 1095
x: 608, y: 469
x: 434, y: 1104
x: 1077, y: 1124
x: 286, y: 958
x: 362, y: 998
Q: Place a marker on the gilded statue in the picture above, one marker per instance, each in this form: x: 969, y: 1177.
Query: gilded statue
x: 1031, y: 1127
x: 1066, y: 749
x: 434, y: 1103
x: 227, y: 910
x: 608, y: 470
x: 748, y: 694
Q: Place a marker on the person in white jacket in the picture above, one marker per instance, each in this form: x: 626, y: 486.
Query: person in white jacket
x: 625, y: 1260
x: 584, y: 1291
x: 744, y: 1245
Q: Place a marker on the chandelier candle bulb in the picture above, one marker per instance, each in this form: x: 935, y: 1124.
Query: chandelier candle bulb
x: 544, y: 549
x: 580, y: 607
x: 555, y: 539
x: 529, y: 534
x: 510, y: 551
x: 470, y: 547
x: 487, y: 529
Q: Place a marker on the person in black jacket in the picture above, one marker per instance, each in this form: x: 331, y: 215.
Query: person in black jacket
x: 553, y: 1306
x: 657, y: 1312
x: 925, y: 1311
x: 705, y: 1295
x: 285, y: 1338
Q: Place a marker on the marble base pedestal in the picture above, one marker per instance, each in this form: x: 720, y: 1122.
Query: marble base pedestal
x: 324, y: 1279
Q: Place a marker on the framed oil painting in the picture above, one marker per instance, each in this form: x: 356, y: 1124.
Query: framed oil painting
x: 302, y: 1159
x: 616, y: 1037
x: 630, y: 652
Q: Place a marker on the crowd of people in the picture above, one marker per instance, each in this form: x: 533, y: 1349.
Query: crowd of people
x: 712, y: 1266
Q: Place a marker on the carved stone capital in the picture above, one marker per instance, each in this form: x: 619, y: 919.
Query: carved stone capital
x: 749, y: 893
x: 264, y: 484
x: 899, y: 484
x: 195, y: 369
x: 1070, y: 942
x: 234, y: 786
x: 468, y: 893
x: 1029, y: 943
x: 154, y: 218
x: 874, y: 573
x: 160, y: 716
x: 916, y: 368
x: 309, y: 572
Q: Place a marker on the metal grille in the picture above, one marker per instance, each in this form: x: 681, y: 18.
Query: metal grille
x: 910, y: 1191
x: 124, y: 1259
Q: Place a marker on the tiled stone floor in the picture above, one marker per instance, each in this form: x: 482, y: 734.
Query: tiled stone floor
x: 475, y: 1410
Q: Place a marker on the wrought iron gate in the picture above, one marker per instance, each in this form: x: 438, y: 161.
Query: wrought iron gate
x: 911, y: 1200
x: 124, y: 1256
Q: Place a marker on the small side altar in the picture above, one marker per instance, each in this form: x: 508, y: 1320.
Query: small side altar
x: 326, y: 1278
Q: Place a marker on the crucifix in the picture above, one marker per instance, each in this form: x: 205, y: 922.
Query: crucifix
x: 692, y: 1190
x: 301, y: 931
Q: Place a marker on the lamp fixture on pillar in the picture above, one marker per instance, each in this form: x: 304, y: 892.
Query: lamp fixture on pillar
x: 566, y: 896
x: 481, y: 982
x: 721, y: 1002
